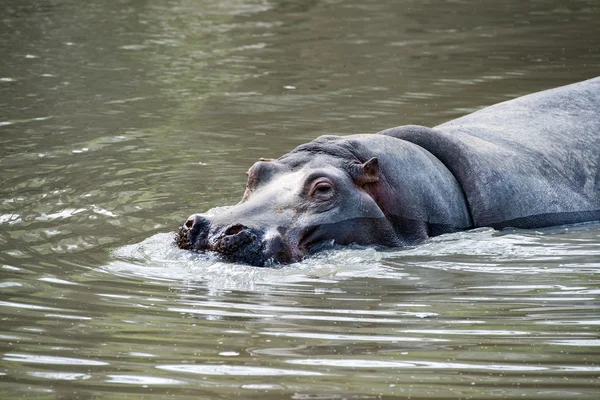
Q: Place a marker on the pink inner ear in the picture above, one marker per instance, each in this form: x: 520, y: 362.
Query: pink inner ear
x: 371, y: 167
x: 367, y: 172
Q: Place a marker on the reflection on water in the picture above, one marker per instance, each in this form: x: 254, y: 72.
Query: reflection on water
x: 119, y: 120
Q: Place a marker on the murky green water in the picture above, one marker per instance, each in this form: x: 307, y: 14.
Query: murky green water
x: 118, y: 119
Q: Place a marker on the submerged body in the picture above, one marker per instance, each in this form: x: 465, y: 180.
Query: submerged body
x: 528, y: 163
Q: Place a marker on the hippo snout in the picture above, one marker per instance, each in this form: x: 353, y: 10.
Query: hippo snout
x: 236, y: 243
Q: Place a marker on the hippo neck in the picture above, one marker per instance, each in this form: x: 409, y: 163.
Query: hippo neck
x: 422, y: 137
x: 417, y: 192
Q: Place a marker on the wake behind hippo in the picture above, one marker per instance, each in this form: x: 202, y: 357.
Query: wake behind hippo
x: 530, y: 162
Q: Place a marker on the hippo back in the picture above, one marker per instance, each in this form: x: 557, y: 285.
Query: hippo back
x: 529, y: 162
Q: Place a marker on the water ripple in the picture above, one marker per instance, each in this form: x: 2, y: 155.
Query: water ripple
x: 216, y: 369
x: 51, y: 360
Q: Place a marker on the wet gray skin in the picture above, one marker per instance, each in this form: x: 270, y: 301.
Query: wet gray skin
x: 530, y: 162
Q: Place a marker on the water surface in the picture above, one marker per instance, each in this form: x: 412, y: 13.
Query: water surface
x: 119, y: 119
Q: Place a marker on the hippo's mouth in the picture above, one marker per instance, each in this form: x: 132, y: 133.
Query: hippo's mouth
x: 314, y: 240
x: 240, y: 247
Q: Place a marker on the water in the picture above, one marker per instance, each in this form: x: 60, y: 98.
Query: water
x: 119, y: 119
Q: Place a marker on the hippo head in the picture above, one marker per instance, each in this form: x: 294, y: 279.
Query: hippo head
x: 321, y: 194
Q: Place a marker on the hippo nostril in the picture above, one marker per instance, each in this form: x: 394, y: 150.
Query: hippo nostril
x: 234, y: 230
x: 189, y: 223
x: 196, y: 222
x: 194, y: 233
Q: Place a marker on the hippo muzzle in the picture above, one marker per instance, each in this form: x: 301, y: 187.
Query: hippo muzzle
x: 234, y: 243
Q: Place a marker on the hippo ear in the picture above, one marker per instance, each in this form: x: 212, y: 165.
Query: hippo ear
x: 367, y: 172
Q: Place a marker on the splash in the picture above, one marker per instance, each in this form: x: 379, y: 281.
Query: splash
x: 477, y: 251
x: 158, y: 258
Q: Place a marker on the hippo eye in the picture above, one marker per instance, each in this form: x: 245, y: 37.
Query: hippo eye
x: 322, y: 190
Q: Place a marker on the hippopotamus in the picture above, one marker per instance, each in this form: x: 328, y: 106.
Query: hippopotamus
x: 530, y: 162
